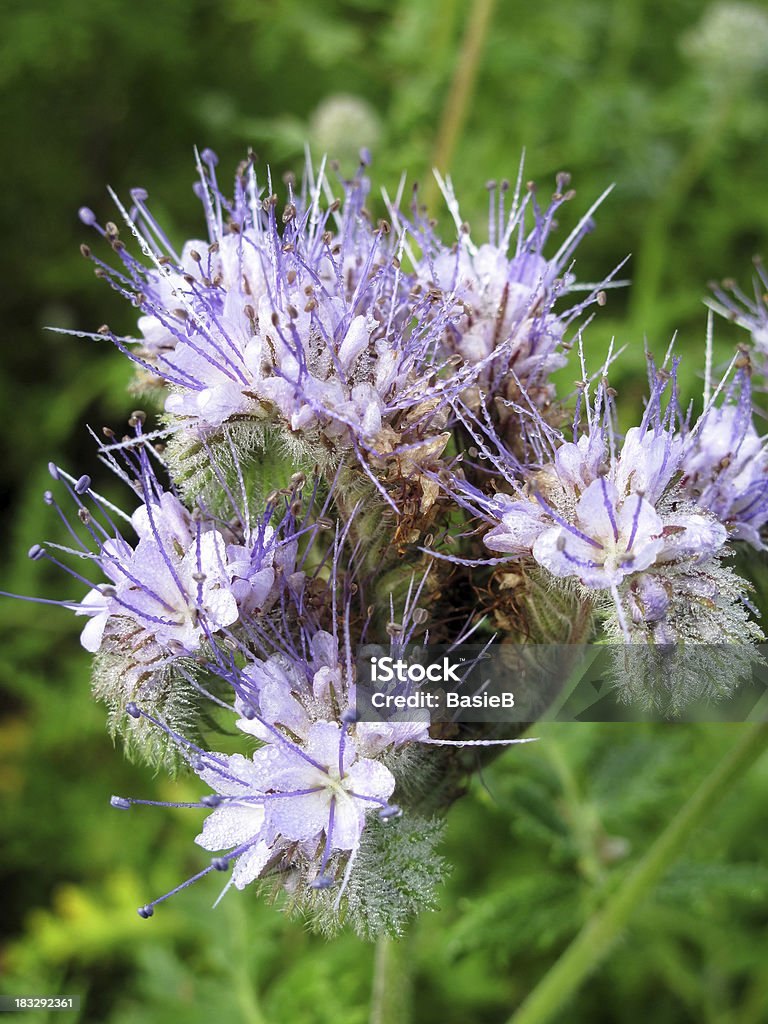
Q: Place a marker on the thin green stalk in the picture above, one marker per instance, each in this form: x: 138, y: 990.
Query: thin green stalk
x: 624, y: 33
x: 391, y: 993
x: 462, y: 86
x: 245, y: 989
x: 597, y: 937
x: 652, y: 257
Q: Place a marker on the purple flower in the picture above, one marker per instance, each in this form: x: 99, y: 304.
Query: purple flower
x: 608, y: 515
x: 614, y: 527
x: 177, y: 579
x: 298, y: 317
x: 316, y: 794
x: 747, y: 311
x: 725, y: 465
x: 503, y: 292
x: 292, y: 693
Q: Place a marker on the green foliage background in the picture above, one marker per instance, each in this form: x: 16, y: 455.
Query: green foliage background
x: 102, y: 91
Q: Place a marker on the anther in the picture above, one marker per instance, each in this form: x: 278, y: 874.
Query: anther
x: 220, y: 864
x: 83, y: 484
x: 132, y: 710
x: 321, y: 882
x: 87, y: 216
x: 210, y: 800
x: 349, y: 717
x: 48, y: 497
x: 390, y: 812
x: 85, y: 250
x: 120, y: 803
x: 146, y: 911
x: 36, y: 552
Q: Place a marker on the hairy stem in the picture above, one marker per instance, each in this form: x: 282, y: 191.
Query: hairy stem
x: 597, y: 937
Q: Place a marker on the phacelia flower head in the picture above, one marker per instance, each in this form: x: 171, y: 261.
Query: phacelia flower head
x: 292, y: 317
x: 306, y: 810
x: 503, y: 292
x: 610, y: 516
x: 165, y: 582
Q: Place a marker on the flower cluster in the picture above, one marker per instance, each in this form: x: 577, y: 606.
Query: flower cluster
x: 503, y: 292
x: 639, y: 524
x: 359, y: 439
x: 293, y: 323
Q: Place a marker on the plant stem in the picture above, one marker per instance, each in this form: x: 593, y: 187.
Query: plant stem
x: 654, y: 246
x: 597, y: 937
x: 391, y: 994
x: 462, y: 86
x: 242, y: 978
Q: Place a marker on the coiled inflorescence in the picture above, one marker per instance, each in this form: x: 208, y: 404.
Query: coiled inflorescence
x: 360, y: 439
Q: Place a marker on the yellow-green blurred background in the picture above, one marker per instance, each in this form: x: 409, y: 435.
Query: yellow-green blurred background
x: 667, y: 100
